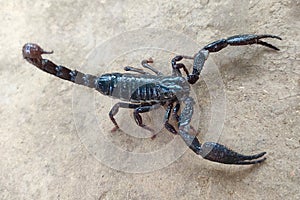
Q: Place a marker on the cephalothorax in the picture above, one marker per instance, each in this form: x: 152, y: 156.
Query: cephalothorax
x: 143, y: 92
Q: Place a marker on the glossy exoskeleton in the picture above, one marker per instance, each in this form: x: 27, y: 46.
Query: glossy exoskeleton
x: 143, y: 92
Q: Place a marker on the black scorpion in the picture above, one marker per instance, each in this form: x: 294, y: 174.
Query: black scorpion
x: 143, y: 92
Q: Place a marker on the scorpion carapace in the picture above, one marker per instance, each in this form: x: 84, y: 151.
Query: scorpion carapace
x: 143, y: 92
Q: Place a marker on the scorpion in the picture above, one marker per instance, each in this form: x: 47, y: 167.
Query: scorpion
x: 143, y: 91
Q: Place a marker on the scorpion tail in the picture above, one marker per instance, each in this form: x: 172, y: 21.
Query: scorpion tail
x: 33, y: 54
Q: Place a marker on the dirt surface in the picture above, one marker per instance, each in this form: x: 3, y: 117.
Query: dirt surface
x: 49, y: 149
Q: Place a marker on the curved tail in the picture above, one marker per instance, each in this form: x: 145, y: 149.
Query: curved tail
x: 33, y: 54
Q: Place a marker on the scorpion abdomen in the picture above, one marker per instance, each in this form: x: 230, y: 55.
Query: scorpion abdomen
x: 140, y: 89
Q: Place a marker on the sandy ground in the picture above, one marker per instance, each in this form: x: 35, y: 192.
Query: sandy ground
x: 48, y: 151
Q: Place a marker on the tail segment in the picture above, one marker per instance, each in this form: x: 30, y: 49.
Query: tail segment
x: 33, y: 54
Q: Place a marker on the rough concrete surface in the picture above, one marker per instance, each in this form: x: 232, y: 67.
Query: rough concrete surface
x: 44, y: 157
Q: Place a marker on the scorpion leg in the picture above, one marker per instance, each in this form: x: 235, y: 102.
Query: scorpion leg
x: 145, y: 64
x: 169, y: 126
x: 138, y: 109
x: 210, y: 150
x: 177, y: 66
x: 199, y: 60
x: 115, y: 110
x: 175, y: 112
x: 133, y: 69
x: 142, y: 109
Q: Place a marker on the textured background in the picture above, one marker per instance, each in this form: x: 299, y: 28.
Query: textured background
x: 41, y: 154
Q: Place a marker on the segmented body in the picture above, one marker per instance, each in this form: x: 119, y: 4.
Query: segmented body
x: 142, y: 88
x: 143, y: 92
x: 135, y: 88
